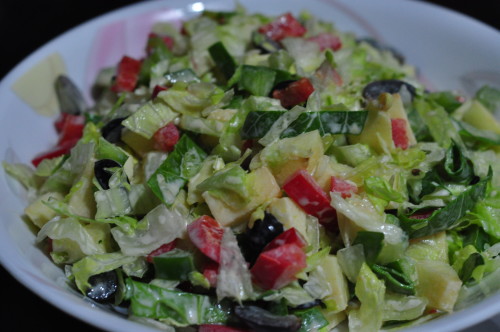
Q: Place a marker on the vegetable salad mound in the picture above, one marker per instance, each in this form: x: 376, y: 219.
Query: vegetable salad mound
x: 256, y: 173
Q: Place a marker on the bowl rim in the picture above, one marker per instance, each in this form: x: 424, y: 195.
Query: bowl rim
x: 479, y: 312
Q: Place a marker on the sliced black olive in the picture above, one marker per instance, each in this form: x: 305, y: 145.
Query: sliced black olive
x: 256, y: 238
x: 112, y: 131
x: 376, y: 88
x: 102, y: 174
x: 103, y: 287
x: 311, y: 304
x: 258, y: 319
x: 70, y: 98
x: 265, y: 44
x: 383, y: 47
x: 282, y: 85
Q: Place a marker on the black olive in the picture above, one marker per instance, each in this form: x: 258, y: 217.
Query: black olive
x: 415, y: 172
x: 70, y: 98
x: 475, y: 179
x: 382, y: 47
x: 376, y: 88
x: 103, y: 287
x: 101, y: 174
x: 311, y: 304
x: 256, y: 238
x: 258, y: 319
x: 283, y: 84
x: 265, y: 44
x: 112, y: 131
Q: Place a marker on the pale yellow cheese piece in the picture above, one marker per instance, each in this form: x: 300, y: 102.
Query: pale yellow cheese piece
x: 264, y: 188
x: 439, y: 283
x: 36, y: 86
x: 289, y: 214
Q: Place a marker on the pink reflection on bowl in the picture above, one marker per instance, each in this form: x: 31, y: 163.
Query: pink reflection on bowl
x: 124, y: 37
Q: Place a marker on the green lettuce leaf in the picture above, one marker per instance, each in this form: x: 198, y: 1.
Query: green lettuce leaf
x: 489, y: 97
x: 150, y: 117
x: 438, y: 122
x: 181, y: 164
x: 229, y: 184
x: 370, y: 292
x: 258, y: 123
x: 174, y: 307
x: 447, y: 217
x: 96, y: 264
x: 158, y: 227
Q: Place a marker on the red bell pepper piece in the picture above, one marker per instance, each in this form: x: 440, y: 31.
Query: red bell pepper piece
x: 210, y: 271
x: 60, y: 121
x: 326, y: 41
x: 295, y: 93
x: 72, y: 128
x: 217, y: 328
x: 345, y: 188
x: 127, y: 75
x: 61, y: 149
x: 304, y: 191
x: 166, y: 137
x: 290, y: 236
x: 399, y: 133
x: 161, y: 250
x: 277, y: 267
x: 283, y: 26
x: 206, y: 234
x: 157, y: 89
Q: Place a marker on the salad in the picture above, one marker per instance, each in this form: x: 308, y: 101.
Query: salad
x: 257, y: 173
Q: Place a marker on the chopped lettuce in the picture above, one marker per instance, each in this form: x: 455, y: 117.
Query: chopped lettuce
x: 149, y: 118
x: 163, y: 226
x: 233, y: 279
x: 174, y: 307
x: 96, y: 264
x: 370, y: 292
x: 86, y: 238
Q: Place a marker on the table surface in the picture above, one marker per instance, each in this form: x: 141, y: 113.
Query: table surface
x: 20, y: 23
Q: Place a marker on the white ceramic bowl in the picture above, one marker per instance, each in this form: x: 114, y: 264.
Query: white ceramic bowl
x: 450, y: 50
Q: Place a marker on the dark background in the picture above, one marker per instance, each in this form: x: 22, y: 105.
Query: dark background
x: 27, y: 25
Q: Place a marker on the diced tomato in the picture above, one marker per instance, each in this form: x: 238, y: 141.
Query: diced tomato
x: 61, y: 149
x: 169, y: 41
x: 157, y: 89
x: 345, y: 188
x: 206, y: 234
x: 295, y: 93
x: 127, y: 75
x: 218, y: 328
x: 166, y: 137
x: 290, y: 236
x: 284, y: 26
x: 304, y: 191
x: 161, y: 250
x: 72, y: 128
x: 210, y: 271
x: 277, y: 267
x: 399, y: 133
x: 326, y: 41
